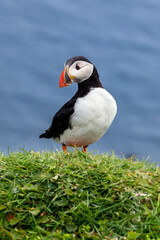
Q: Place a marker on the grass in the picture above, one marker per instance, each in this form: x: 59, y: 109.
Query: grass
x: 78, y: 196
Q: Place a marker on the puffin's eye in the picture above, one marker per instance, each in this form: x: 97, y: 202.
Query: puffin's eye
x: 77, y: 67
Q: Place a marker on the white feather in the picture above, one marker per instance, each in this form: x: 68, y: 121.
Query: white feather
x: 85, y: 71
x: 93, y: 114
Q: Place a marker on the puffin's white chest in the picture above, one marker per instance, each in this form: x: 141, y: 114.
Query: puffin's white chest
x: 93, y: 114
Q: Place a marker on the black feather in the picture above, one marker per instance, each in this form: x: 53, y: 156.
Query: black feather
x: 45, y: 135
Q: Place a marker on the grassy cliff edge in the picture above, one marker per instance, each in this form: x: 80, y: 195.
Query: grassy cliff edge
x: 78, y: 196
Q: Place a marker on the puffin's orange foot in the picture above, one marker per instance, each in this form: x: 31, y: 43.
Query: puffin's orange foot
x: 84, y: 149
x: 64, y: 147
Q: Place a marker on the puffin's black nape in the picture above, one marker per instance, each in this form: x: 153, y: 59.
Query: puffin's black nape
x: 95, y: 72
x: 70, y: 61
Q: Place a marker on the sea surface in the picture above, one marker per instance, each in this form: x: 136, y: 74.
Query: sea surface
x: 121, y: 38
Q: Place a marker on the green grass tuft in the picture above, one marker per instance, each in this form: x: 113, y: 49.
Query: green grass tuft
x: 78, y: 196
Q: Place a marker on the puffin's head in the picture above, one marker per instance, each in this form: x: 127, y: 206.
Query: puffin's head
x: 77, y: 69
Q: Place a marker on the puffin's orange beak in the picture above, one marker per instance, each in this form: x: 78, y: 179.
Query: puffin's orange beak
x: 65, y: 78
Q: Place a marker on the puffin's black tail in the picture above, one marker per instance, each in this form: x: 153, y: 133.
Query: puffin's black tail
x: 47, y: 134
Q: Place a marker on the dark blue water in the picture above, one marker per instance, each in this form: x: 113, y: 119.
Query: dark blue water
x: 122, y: 38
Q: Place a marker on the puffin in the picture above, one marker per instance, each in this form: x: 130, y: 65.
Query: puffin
x: 86, y: 117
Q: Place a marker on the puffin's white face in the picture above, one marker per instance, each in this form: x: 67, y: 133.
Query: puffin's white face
x: 76, y: 70
x: 80, y: 71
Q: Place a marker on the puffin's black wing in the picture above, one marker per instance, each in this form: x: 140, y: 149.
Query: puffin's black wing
x: 61, y: 120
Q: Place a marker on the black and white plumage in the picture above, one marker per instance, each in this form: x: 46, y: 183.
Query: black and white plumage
x: 85, y: 118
